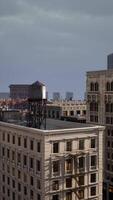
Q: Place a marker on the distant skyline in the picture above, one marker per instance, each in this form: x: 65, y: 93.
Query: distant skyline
x: 54, y: 41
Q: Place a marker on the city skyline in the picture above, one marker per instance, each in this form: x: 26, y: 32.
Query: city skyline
x: 54, y: 42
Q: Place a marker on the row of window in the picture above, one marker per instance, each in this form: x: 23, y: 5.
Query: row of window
x: 109, y: 107
x: 14, y: 195
x: 109, y: 120
x: 80, y: 194
x: 94, y: 118
x: 21, y: 141
x: 81, y: 145
x: 94, y: 106
x: 94, y: 86
x: 68, y: 182
x: 33, y: 163
x: 32, y: 181
x: 81, y: 164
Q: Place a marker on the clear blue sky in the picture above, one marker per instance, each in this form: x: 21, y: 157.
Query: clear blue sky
x: 54, y: 41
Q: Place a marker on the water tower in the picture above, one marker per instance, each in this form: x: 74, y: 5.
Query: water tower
x: 37, y: 106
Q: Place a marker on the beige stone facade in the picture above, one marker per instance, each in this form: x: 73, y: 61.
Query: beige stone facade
x: 100, y: 111
x: 66, y: 108
x: 62, y: 164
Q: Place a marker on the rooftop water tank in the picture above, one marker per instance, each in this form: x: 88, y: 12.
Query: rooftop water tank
x: 37, y: 91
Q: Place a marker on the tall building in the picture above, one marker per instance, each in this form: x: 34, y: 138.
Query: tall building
x: 69, y: 96
x: 56, y: 96
x: 64, y: 162
x: 100, y: 111
x: 20, y: 91
x: 110, y: 61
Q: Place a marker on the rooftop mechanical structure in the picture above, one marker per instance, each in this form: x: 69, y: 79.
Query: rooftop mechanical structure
x: 37, y: 106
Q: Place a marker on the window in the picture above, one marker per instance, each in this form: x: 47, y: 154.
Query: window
x: 55, y: 147
x: 108, y: 86
x: 13, y: 155
x: 31, y: 194
x: 13, y: 171
x: 38, y: 147
x: 81, y: 180
x: 13, y: 139
x: 25, y: 142
x: 69, y: 196
x: 68, y: 166
x: 18, y: 158
x: 68, y: 146
x: 3, y: 178
x: 31, y: 163
x: 93, y: 178
x: 81, y: 162
x: 55, y: 185
x: 93, y: 143
x: 68, y: 182
x: 81, y: 144
x: 3, y: 151
x: 8, y: 180
x: 25, y: 178
x: 108, y: 143
x: 31, y: 180
x: 19, y: 141
x: 8, y: 153
x: 3, y: 136
x: 93, y: 162
x: 38, y: 165
x: 31, y: 144
x: 38, y: 184
x: 55, y: 197
x: 25, y: 190
x: 8, y: 137
x: 56, y: 166
x: 93, y: 191
x: 19, y: 174
x: 81, y: 194
x: 38, y: 197
x: 19, y: 187
x: 25, y: 160
x: 13, y: 183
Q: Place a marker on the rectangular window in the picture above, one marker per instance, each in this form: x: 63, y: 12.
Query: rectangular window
x: 18, y: 158
x: 3, y: 136
x: 68, y: 165
x: 93, y: 178
x: 81, y: 162
x: 93, y: 143
x: 68, y: 182
x: 31, y: 180
x: 25, y: 160
x: 38, y: 197
x: 31, y: 144
x: 69, y: 196
x: 38, y: 165
x: 19, y: 141
x: 81, y: 194
x: 55, y: 185
x: 68, y: 146
x: 55, y: 197
x: 13, y: 155
x: 25, y: 142
x: 31, y: 163
x: 38, y: 147
x: 93, y: 191
x: 55, y: 147
x: 93, y: 161
x: 13, y: 139
x: 8, y: 137
x: 81, y: 144
x: 56, y: 166
x: 38, y: 184
x: 81, y: 180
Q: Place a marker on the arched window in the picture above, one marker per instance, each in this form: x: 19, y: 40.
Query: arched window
x: 112, y: 86
x: 96, y: 86
x: 108, y: 86
x: 91, y: 86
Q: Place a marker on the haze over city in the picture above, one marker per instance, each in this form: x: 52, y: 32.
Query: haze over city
x: 54, y: 41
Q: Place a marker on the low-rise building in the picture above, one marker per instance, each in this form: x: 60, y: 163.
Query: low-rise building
x: 64, y: 162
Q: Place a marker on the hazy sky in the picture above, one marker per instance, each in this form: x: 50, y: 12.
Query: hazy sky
x: 54, y: 41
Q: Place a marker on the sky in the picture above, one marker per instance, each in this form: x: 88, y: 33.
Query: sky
x: 54, y: 41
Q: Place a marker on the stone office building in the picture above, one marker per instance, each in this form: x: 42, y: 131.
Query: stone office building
x: 64, y: 162
x: 100, y: 111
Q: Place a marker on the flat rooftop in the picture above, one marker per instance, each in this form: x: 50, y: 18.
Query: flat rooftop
x: 53, y: 124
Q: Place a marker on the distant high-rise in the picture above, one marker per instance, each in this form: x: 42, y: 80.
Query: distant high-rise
x: 56, y: 96
x: 69, y: 96
x: 110, y: 61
